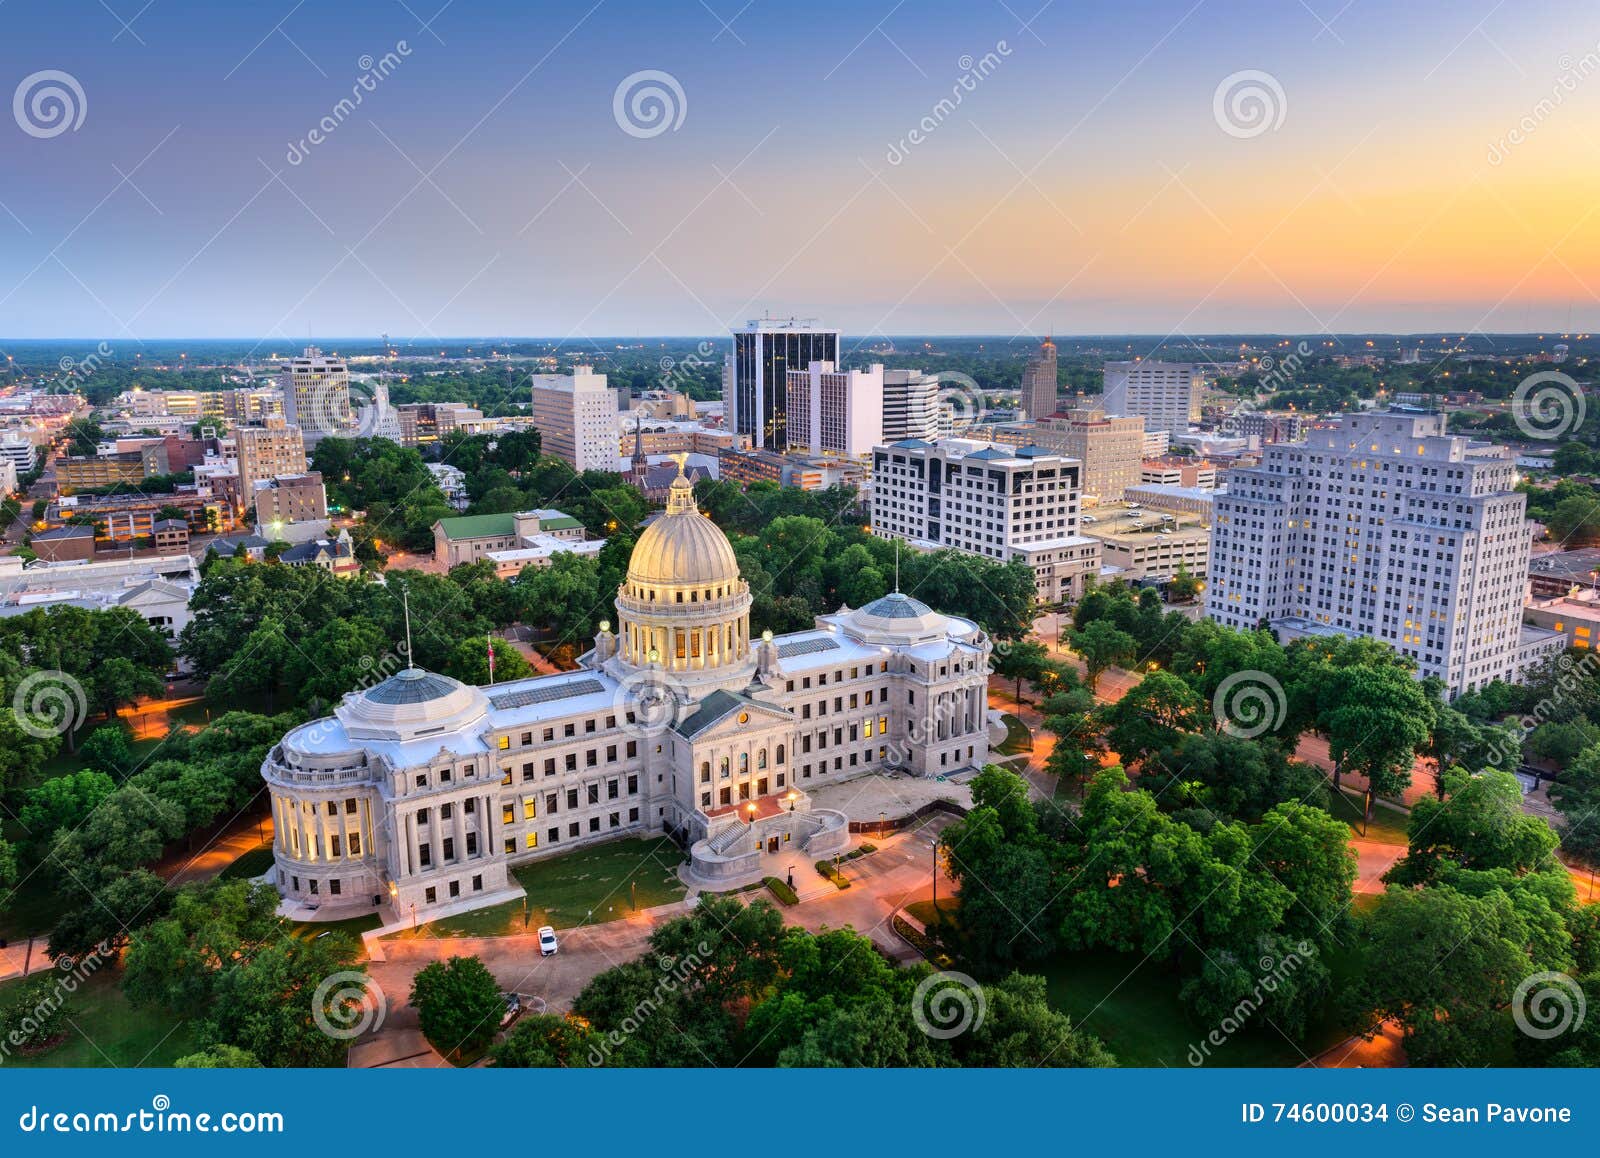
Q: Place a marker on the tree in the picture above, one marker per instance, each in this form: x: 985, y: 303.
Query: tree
x: 1159, y: 710
x: 1376, y: 722
x: 458, y: 1004
x: 267, y: 1003
x: 1444, y: 965
x: 469, y: 663
x: 22, y: 751
x: 62, y: 802
x: 1183, y: 586
x: 1102, y: 646
x: 546, y: 1041
x: 1234, y: 777
x: 1578, y: 799
x: 219, y: 1057
x: 33, y: 1015
x: 1478, y: 827
x: 107, y: 748
x: 1020, y: 1029
x: 1020, y: 660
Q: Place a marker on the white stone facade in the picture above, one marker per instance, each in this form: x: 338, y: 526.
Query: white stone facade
x: 419, y: 793
x: 1381, y: 525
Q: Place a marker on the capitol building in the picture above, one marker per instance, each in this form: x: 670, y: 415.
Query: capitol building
x: 421, y: 792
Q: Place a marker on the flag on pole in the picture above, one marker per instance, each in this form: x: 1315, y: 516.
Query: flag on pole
x: 491, y: 661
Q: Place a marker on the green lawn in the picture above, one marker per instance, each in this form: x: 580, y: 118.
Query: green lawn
x: 584, y: 887
x: 249, y: 865
x: 1388, y: 822
x: 104, y: 1030
x: 924, y: 912
x: 1018, y: 737
x: 354, y: 926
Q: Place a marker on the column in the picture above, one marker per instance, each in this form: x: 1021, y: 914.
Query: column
x: 412, y: 863
x: 458, y: 828
x: 488, y: 839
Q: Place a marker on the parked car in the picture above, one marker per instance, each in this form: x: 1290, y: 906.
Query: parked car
x: 547, y: 941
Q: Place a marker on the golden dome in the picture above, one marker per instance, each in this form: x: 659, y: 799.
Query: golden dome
x: 683, y: 547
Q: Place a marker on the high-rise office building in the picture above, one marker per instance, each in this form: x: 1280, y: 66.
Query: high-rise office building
x: 756, y: 378
x: 1165, y: 394
x: 1381, y: 525
x: 267, y: 451
x: 833, y: 411
x: 1110, y: 448
x: 1039, y: 382
x: 316, y: 394
x: 577, y: 418
x: 910, y: 405
x: 999, y: 501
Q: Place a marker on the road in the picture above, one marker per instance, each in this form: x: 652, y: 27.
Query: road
x: 898, y: 873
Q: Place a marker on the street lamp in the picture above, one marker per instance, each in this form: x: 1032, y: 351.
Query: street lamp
x: 752, y: 811
x: 792, y: 797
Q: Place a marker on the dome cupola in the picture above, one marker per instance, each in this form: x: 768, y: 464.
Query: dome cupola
x: 683, y: 605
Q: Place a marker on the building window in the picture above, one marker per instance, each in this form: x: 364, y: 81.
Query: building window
x: 430, y: 895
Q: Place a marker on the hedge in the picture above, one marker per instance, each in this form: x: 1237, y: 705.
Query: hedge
x: 781, y: 890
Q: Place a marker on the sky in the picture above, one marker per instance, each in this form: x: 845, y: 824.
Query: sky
x: 921, y: 167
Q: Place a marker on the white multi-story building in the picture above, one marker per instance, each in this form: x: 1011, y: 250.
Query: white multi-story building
x: 910, y: 405
x: 1381, y: 525
x: 577, y: 418
x: 419, y: 793
x: 999, y: 501
x: 316, y: 394
x: 1165, y: 394
x: 19, y: 450
x: 833, y: 411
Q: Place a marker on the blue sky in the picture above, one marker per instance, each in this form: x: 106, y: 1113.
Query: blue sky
x: 1084, y: 184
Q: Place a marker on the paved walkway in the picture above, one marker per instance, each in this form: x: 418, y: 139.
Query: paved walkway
x: 217, y: 852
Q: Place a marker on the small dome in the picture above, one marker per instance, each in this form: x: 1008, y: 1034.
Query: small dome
x: 410, y: 704
x: 412, y: 686
x: 897, y: 606
x: 898, y: 618
x: 682, y: 546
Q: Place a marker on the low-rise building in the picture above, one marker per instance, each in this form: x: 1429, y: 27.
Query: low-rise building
x: 1179, y: 471
x: 1575, y: 617
x: 1149, y: 545
x: 1173, y: 500
x: 803, y: 472
x: 471, y: 538
x: 335, y: 556
x: 63, y: 544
